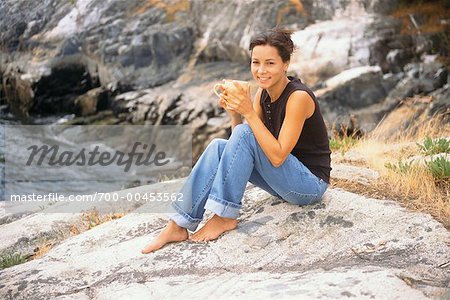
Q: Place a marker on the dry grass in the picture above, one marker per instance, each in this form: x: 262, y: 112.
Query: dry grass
x: 91, y: 219
x: 431, y: 12
x: 414, y: 123
x: 415, y: 189
x: 427, y: 18
x: 293, y: 4
x: 42, y: 250
x: 88, y: 220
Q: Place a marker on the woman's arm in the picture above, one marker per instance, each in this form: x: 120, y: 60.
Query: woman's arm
x: 299, y: 107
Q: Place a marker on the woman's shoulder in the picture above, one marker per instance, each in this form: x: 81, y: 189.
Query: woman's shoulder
x: 297, y: 85
x: 296, y: 82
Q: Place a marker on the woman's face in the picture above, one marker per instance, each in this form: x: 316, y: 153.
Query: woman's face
x: 267, y: 66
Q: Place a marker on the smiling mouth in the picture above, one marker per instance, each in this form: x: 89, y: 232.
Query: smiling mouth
x: 263, y: 78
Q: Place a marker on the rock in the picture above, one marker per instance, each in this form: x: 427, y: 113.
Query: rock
x: 440, y: 102
x: 350, y: 157
x: 347, y: 93
x: 225, y: 28
x: 88, y: 103
x: 231, y: 42
x: 346, y: 245
x: 358, y: 99
x: 330, y: 284
x: 45, y: 87
x: 27, y: 226
x: 157, y: 54
x: 428, y: 76
x: 360, y: 175
x: 327, y: 48
x: 397, y: 59
x: 349, y: 41
x: 189, y: 102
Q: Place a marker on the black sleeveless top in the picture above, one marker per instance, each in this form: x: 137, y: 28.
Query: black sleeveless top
x: 312, y: 148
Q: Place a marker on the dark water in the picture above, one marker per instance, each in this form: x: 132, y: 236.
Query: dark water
x: 70, y: 181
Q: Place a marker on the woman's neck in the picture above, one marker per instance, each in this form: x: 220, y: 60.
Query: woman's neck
x: 276, y: 90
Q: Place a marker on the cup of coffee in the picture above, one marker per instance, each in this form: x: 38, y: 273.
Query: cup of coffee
x: 227, y: 84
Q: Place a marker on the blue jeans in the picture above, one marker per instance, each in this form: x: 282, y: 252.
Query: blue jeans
x: 219, y: 178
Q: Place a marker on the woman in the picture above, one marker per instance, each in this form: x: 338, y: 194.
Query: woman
x: 284, y: 148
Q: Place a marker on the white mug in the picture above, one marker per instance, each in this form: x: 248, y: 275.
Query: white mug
x: 228, y: 84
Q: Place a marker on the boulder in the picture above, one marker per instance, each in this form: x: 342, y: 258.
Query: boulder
x: 47, y: 87
x: 345, y: 245
x: 350, y: 40
x: 90, y: 102
x: 327, y: 48
x: 344, y: 95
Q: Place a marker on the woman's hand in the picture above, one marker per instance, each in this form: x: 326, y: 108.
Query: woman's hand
x: 238, y: 100
x: 223, y: 103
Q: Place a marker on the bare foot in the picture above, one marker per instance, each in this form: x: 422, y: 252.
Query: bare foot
x: 213, y: 228
x: 171, y: 233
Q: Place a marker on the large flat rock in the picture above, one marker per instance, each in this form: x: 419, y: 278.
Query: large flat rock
x: 334, y: 284
x: 347, y: 245
x: 52, y: 222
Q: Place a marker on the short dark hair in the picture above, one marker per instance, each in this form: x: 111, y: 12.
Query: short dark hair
x: 278, y: 38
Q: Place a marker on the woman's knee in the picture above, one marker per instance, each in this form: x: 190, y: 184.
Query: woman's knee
x: 302, y: 198
x: 240, y: 130
x: 216, y: 144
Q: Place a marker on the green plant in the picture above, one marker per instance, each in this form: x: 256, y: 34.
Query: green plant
x: 342, y: 143
x: 439, y: 168
x: 9, y: 260
x: 400, y: 167
x: 431, y: 147
x: 344, y: 137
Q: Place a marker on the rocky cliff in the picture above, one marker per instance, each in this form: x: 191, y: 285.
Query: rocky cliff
x: 362, y: 57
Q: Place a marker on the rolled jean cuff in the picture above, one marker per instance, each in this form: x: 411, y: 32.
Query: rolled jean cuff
x: 183, y: 219
x: 222, y: 207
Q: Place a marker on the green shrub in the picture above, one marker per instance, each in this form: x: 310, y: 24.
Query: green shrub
x: 342, y: 143
x: 431, y: 147
x: 9, y: 260
x: 439, y: 168
x: 400, y: 167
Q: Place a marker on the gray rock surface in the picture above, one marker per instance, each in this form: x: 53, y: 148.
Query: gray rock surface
x: 355, y: 98
x: 27, y: 226
x: 352, y: 173
x: 347, y: 245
